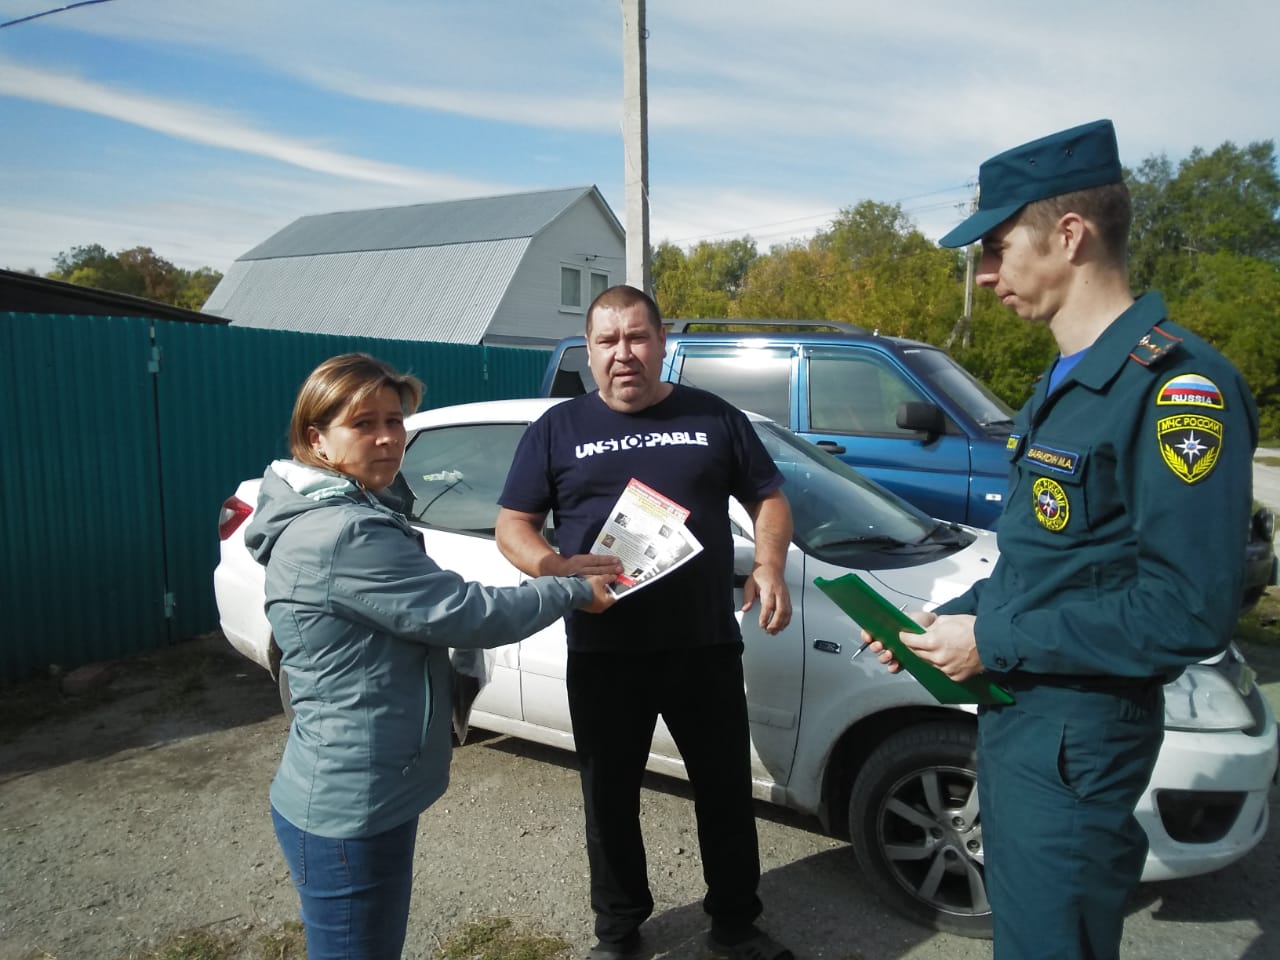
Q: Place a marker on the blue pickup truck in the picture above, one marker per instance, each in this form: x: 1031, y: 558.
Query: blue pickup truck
x: 903, y: 413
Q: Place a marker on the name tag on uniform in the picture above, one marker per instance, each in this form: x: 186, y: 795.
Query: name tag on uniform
x: 1053, y: 458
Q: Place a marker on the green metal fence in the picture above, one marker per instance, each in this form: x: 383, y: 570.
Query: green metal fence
x: 122, y: 437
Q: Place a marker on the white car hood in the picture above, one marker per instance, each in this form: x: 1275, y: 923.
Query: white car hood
x: 941, y: 580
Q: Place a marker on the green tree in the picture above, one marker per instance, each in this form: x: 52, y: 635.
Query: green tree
x: 868, y: 233
x: 793, y: 282
x: 1234, y: 303
x: 138, y: 271
x: 199, y: 284
x: 1226, y: 200
x: 706, y: 281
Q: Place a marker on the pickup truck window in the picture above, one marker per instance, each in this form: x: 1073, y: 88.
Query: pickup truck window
x: 988, y: 411
x: 856, y: 392
x: 756, y: 379
x: 573, y: 374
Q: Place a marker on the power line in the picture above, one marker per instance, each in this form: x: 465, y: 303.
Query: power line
x: 752, y: 230
x: 45, y: 13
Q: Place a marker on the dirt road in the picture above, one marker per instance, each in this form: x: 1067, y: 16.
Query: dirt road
x: 148, y: 816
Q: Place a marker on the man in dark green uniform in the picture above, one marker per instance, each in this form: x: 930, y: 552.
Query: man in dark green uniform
x: 1120, y: 548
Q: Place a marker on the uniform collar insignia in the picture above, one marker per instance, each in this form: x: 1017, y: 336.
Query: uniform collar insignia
x: 1153, y: 346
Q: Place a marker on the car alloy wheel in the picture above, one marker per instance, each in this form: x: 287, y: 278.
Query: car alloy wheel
x: 916, y: 830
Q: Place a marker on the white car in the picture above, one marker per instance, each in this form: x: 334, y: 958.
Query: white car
x: 869, y: 753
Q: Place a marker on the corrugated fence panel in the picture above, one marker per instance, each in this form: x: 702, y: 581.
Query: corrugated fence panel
x: 80, y: 576
x: 115, y: 469
x: 226, y: 394
x: 515, y: 372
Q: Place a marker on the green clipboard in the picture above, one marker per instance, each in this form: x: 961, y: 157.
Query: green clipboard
x: 878, y: 617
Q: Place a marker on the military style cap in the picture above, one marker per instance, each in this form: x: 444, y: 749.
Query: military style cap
x: 1075, y: 159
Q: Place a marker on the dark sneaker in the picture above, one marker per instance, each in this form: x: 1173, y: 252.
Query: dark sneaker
x: 752, y: 944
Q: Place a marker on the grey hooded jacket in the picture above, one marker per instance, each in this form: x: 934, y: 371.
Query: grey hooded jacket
x: 364, y: 619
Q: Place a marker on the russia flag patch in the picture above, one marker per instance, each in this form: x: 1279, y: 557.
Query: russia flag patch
x: 1190, y: 390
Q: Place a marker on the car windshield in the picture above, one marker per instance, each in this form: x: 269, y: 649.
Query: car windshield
x: 987, y: 410
x: 843, y: 518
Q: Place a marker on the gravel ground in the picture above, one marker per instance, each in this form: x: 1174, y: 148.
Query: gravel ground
x: 148, y: 815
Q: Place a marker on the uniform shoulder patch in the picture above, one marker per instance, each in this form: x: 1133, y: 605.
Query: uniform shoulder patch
x: 1190, y: 390
x: 1190, y: 444
x: 1154, y: 346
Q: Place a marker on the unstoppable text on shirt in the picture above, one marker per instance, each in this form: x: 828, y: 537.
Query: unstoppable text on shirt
x: 634, y: 441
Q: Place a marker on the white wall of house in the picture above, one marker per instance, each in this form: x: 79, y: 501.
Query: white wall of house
x: 584, y: 239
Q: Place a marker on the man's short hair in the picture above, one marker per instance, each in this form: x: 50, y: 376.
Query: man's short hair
x: 1107, y: 207
x: 622, y: 297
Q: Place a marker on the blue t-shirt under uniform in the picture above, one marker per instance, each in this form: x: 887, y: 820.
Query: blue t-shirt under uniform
x: 692, y: 447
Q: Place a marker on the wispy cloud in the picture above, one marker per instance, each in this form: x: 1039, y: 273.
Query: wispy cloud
x: 764, y: 118
x: 196, y: 123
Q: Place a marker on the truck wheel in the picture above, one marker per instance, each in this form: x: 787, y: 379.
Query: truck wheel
x: 915, y: 828
x: 285, y: 700
x: 282, y: 678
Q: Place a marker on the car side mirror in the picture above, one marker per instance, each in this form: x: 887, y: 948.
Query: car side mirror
x: 922, y: 416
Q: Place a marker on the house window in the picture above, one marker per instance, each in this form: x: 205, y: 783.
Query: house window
x: 599, y: 284
x: 571, y: 289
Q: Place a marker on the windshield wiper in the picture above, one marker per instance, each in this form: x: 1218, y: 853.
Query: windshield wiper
x: 951, y: 534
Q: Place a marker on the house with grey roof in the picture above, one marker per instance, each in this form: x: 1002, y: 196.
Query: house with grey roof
x: 512, y: 270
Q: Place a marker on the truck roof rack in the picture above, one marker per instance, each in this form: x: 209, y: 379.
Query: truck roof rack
x: 752, y: 325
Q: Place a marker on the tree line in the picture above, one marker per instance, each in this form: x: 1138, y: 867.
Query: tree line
x: 138, y: 271
x: 1206, y: 234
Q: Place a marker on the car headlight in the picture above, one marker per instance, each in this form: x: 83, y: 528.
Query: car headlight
x: 1203, y: 699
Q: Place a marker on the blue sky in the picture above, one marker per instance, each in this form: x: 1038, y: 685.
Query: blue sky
x: 199, y: 129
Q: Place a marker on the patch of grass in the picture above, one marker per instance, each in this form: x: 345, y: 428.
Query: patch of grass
x: 1267, y: 461
x: 493, y: 938
x: 1261, y: 625
x: 193, y: 945
x: 282, y: 943
x: 287, y: 943
x: 498, y: 938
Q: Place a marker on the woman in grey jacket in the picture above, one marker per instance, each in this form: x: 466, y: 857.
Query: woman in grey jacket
x: 364, y: 619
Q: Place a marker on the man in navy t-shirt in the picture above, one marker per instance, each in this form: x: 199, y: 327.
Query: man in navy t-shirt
x: 672, y: 648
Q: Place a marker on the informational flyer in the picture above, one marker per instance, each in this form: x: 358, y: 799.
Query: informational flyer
x: 646, y: 532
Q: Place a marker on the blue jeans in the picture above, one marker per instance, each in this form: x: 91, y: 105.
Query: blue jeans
x: 354, y: 893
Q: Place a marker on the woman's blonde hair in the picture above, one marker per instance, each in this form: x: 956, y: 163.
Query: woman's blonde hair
x: 337, y: 384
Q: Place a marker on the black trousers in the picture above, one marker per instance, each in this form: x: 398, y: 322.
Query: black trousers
x: 614, y: 703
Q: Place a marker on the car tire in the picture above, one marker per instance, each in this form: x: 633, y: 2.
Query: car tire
x: 916, y: 831
x: 286, y: 700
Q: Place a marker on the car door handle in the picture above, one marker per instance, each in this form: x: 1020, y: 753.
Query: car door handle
x: 740, y: 579
x: 831, y: 447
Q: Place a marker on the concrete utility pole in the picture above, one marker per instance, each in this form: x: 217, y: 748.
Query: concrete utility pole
x: 964, y: 326
x: 635, y: 143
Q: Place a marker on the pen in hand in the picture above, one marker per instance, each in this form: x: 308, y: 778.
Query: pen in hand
x: 864, y: 646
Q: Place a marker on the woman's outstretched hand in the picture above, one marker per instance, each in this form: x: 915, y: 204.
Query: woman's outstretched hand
x: 601, y: 599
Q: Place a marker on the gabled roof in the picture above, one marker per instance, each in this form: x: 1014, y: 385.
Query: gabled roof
x: 476, y: 220
x: 429, y: 271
